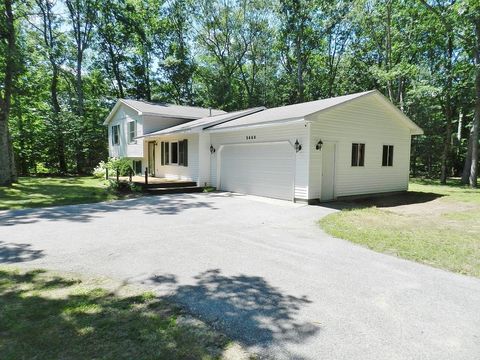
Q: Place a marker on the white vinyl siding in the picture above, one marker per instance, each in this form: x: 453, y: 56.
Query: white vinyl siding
x: 125, y: 148
x: 284, y: 132
x: 368, y: 121
x: 176, y: 171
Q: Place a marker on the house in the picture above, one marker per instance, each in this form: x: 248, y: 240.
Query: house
x: 130, y: 119
x: 319, y: 150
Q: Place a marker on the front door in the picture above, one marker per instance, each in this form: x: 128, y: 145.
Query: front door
x: 151, y: 158
x: 328, y: 171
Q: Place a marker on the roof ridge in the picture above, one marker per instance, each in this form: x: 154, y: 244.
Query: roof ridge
x: 168, y: 104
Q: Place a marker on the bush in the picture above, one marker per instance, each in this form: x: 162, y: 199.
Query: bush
x: 100, y: 170
x: 123, y: 165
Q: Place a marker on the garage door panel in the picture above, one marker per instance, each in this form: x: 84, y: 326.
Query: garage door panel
x: 260, y: 169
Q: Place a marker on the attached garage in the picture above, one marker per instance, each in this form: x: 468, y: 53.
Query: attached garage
x: 264, y: 169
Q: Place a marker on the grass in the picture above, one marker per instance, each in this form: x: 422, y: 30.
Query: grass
x: 45, y: 316
x: 41, y: 192
x: 434, y: 224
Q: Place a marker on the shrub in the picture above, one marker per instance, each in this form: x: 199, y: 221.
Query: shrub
x: 123, y: 165
x: 100, y: 169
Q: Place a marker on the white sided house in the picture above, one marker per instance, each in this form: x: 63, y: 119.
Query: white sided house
x: 130, y: 119
x: 316, y: 151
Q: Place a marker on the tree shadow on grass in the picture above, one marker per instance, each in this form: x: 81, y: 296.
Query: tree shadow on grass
x: 380, y: 201
x: 56, y: 318
x: 246, y: 308
x: 157, y: 205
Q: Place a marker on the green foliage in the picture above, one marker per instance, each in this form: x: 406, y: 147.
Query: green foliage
x: 433, y: 224
x: 48, y: 191
x: 122, y: 165
x: 234, y: 55
x: 85, y: 319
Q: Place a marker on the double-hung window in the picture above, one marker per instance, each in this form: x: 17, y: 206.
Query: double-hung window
x: 387, y: 155
x: 358, y: 154
x: 132, y: 131
x: 115, y: 134
x: 174, y: 153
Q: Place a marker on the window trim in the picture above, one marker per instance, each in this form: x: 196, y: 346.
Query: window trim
x: 390, y: 155
x: 358, y: 163
x: 131, y: 140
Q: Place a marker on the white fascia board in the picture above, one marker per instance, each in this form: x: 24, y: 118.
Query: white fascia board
x: 259, y: 125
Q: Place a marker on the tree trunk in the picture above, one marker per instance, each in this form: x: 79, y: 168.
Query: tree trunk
x: 60, y: 139
x: 468, y: 161
x: 388, y: 48
x: 476, y: 119
x: 448, y: 113
x: 116, y: 71
x: 7, y: 163
x: 79, y: 158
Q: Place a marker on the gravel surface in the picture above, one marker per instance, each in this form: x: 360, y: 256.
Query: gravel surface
x: 261, y: 271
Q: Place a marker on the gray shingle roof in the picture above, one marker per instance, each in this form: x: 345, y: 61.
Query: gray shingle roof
x: 170, y: 110
x: 206, y: 122
x: 296, y: 111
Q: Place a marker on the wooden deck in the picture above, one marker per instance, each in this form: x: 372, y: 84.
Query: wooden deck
x: 140, y: 180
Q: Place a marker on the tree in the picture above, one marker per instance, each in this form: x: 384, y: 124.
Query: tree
x: 7, y: 34
x: 52, y: 45
x: 82, y: 17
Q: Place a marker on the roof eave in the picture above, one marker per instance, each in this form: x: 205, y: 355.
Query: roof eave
x: 285, y: 121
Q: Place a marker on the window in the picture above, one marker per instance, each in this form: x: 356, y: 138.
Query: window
x: 137, y: 166
x: 165, y: 153
x: 387, y: 158
x: 358, y: 154
x: 174, y: 153
x: 115, y: 134
x: 183, y: 152
x: 132, y: 131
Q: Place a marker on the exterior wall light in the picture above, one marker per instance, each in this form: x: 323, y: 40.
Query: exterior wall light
x: 298, y: 147
x: 319, y: 145
x: 212, y: 149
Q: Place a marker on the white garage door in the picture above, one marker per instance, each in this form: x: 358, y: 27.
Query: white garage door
x: 265, y: 169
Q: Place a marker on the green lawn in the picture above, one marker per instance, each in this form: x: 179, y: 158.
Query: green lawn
x: 45, y: 316
x: 433, y: 224
x: 40, y: 192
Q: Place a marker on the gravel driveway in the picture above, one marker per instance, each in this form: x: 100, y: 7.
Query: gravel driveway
x: 262, y: 271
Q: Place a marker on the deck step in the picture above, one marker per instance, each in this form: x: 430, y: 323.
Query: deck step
x: 173, y: 190
x: 166, y: 185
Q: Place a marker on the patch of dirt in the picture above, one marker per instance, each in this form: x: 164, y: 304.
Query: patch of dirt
x: 434, y: 207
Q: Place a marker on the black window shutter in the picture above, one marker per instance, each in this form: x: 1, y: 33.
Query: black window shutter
x: 162, y: 153
x: 185, y: 152
x: 354, y: 154
x: 180, y: 153
x: 167, y: 153
x: 361, y: 160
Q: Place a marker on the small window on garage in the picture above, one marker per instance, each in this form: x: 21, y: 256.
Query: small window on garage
x: 358, y: 154
x: 174, y: 153
x: 387, y: 155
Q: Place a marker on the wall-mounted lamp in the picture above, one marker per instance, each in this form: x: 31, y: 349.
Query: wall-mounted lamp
x: 298, y: 147
x: 319, y: 145
x: 212, y: 149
